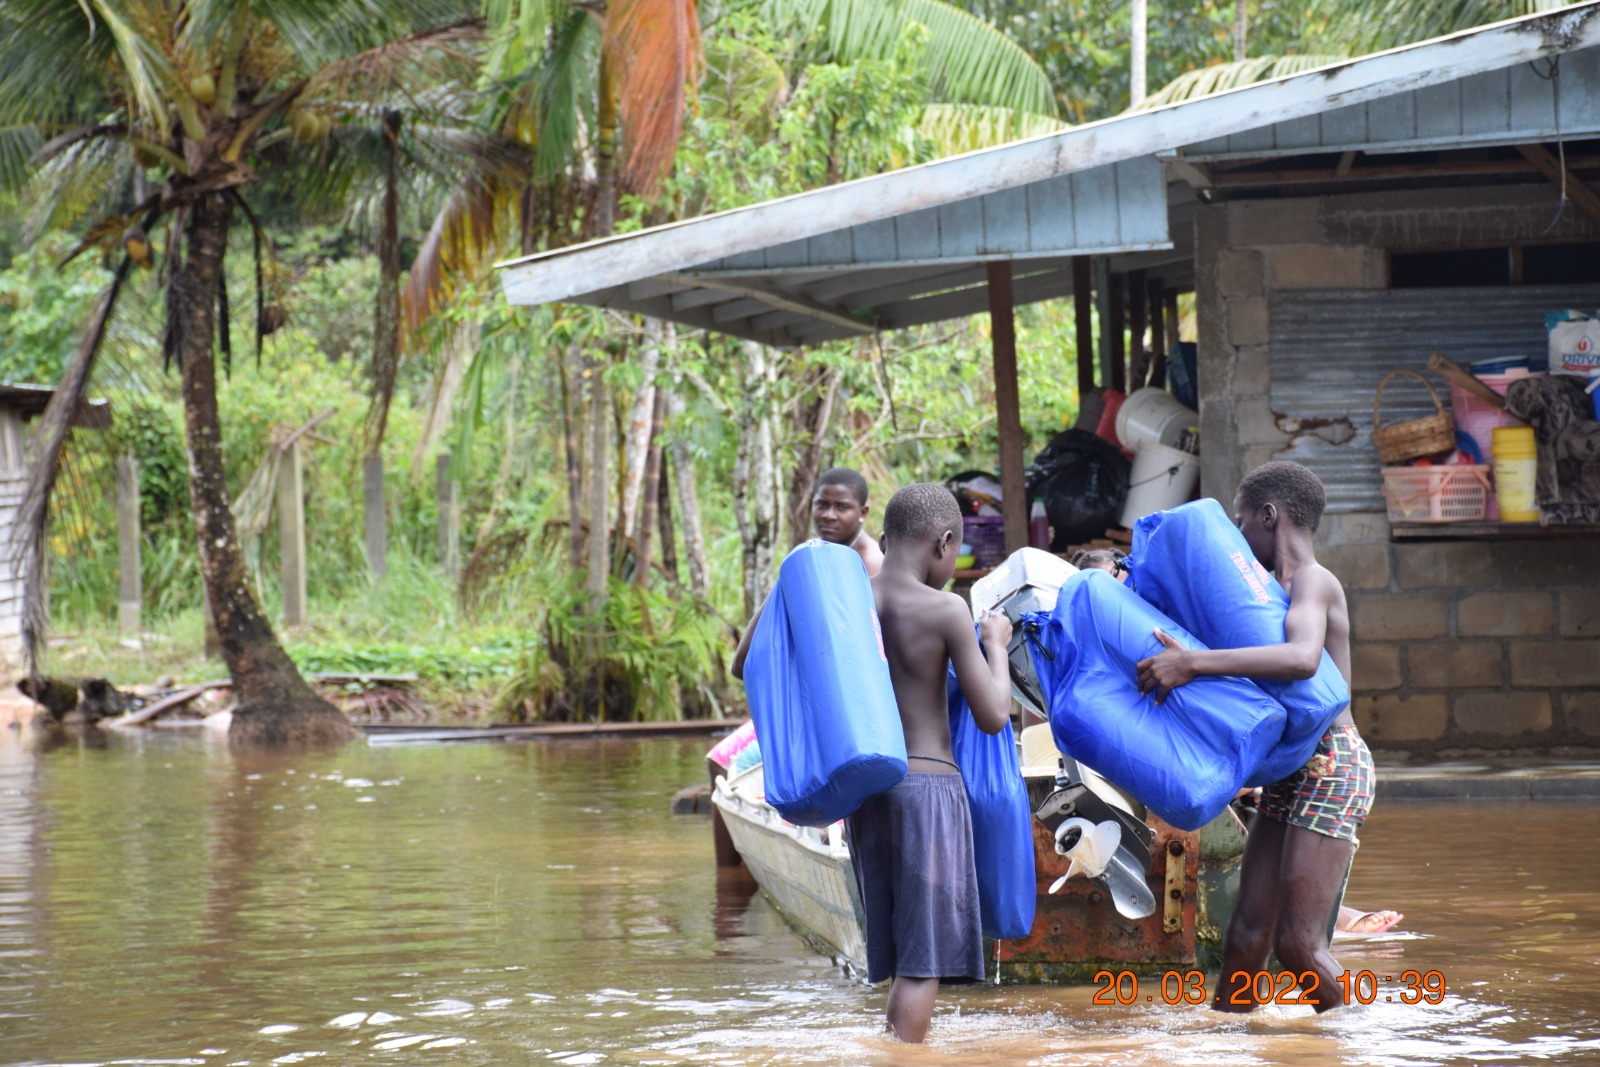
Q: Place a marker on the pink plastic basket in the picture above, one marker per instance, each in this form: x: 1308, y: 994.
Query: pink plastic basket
x: 1437, y: 494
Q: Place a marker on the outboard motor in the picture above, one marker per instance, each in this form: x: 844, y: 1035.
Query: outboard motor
x: 1097, y: 825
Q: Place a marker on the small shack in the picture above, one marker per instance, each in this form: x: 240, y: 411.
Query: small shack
x: 18, y: 404
x: 1333, y: 226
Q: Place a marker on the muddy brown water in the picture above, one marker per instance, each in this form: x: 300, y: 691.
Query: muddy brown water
x: 536, y: 903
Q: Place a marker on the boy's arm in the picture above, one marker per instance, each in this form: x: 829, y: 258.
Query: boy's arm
x: 743, y: 650
x: 1305, y: 633
x: 985, y: 684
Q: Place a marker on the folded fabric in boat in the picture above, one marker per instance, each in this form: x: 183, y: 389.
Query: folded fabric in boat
x: 1186, y: 757
x: 1002, y: 825
x: 819, y: 690
x: 1193, y: 564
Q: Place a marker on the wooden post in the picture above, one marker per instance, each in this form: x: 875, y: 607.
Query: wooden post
x: 1158, y: 331
x: 1138, y: 359
x: 1008, y: 407
x: 449, y: 519
x: 1102, y: 303
x: 1083, y: 320
x: 377, y: 535
x: 1119, y: 350
x: 131, y: 597
x: 292, y: 536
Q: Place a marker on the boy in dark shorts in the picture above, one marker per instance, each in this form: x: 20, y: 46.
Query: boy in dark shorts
x: 912, y: 844
x: 1300, y: 847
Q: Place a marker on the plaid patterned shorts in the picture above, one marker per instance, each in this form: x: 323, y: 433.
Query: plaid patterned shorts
x: 1332, y: 793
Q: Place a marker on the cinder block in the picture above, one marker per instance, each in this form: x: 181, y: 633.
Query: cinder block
x: 1252, y: 371
x: 1545, y: 564
x: 1389, y: 719
x: 1320, y: 266
x: 1375, y: 667
x: 1248, y: 321
x: 1397, y: 616
x: 1447, y: 565
x: 1239, y: 272
x: 1580, y: 612
x: 1255, y: 423
x: 1274, y: 222
x: 1581, y: 712
x: 1357, y: 528
x: 1496, y: 614
x: 1526, y: 712
x: 1455, y: 664
x: 1555, y: 664
x: 1358, y: 566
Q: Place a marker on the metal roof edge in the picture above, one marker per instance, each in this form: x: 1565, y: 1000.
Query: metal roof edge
x: 561, y: 274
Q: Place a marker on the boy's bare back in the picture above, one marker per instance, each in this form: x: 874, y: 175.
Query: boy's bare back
x: 920, y: 627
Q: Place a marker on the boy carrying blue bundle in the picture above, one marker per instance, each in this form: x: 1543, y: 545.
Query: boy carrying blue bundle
x: 1300, y: 846
x: 912, y: 844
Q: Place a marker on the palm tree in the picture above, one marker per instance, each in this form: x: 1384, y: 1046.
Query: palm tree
x: 210, y: 96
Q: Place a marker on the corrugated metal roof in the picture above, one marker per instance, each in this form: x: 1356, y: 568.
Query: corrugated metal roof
x: 908, y: 247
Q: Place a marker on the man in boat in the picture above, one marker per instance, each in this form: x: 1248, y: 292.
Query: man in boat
x: 839, y: 512
x: 1304, y: 835
x: 912, y: 844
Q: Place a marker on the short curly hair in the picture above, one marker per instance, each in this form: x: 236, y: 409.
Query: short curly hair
x: 920, y: 509
x: 1294, y: 489
x: 845, y: 478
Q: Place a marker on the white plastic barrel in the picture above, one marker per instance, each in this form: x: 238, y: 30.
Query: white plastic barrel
x: 1161, y: 478
x: 1153, y: 415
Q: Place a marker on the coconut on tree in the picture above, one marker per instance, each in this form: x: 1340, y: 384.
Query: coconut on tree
x: 202, y: 99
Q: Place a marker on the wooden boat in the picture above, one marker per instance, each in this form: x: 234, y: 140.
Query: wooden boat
x: 1077, y: 932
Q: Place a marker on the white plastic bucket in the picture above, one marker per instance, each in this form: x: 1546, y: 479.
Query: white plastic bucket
x: 1153, y: 415
x: 1161, y: 478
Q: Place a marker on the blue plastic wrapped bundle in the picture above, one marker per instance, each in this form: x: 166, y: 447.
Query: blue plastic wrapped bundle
x: 1193, y: 564
x: 819, y: 689
x: 1002, y: 825
x: 1186, y: 757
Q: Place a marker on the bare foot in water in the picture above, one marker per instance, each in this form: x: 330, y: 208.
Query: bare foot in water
x: 1367, y: 923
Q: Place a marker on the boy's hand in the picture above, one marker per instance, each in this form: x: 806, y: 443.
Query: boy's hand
x: 1164, y: 672
x: 994, y: 626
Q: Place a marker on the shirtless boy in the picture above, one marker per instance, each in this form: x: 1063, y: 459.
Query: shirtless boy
x: 912, y: 844
x: 1304, y: 836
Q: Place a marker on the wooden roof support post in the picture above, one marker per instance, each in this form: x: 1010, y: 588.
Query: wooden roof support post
x: 1158, y: 327
x: 1116, y: 330
x: 1083, y: 319
x: 1008, y: 406
x: 1137, y: 355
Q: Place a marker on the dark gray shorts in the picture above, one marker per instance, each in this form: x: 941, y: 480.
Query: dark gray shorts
x: 912, y: 851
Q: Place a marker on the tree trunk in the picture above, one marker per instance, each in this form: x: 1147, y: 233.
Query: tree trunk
x: 755, y: 496
x: 694, y: 537
x: 812, y: 422
x: 569, y: 441
x: 637, y: 448
x: 669, y: 547
x: 652, y: 480
x: 275, y: 705
x: 1241, y: 29
x: 385, y: 348
x: 599, y: 539
x: 605, y: 208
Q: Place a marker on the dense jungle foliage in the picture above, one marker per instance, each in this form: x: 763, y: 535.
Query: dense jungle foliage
x: 532, y: 138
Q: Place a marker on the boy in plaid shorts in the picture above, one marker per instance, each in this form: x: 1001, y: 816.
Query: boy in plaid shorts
x: 1300, y: 847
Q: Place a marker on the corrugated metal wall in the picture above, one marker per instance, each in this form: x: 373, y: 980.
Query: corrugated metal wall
x: 1330, y: 349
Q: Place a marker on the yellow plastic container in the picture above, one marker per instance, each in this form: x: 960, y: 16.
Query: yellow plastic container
x: 1515, y: 471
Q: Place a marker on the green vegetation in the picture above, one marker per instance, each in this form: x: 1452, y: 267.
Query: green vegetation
x: 350, y: 256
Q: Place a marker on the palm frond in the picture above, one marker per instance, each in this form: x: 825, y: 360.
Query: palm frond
x: 967, y: 61
x: 958, y: 128
x: 463, y: 234
x: 656, y: 46
x: 742, y: 85
x: 321, y: 34
x: 1374, y: 27
x: 1221, y: 77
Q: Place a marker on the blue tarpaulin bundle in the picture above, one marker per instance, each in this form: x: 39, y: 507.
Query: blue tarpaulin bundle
x: 1002, y: 825
x: 819, y: 690
x: 1184, y: 758
x: 1193, y: 564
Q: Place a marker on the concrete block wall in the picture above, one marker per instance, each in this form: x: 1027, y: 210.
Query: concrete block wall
x: 1458, y: 646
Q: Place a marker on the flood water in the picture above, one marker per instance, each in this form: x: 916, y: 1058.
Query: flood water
x: 537, y: 903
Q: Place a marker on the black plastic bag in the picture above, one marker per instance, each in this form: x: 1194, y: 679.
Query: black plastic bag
x: 1083, y: 481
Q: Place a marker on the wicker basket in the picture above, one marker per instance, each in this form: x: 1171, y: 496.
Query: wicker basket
x: 1402, y: 441
x: 1437, y: 494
